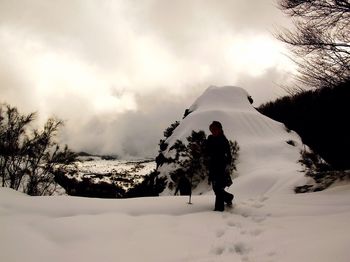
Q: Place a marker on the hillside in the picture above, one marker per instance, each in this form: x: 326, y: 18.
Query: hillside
x: 321, y: 118
x: 265, y: 157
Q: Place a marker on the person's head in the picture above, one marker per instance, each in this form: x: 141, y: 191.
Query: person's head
x: 216, y: 128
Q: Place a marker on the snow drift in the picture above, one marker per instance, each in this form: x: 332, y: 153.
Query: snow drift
x: 265, y: 157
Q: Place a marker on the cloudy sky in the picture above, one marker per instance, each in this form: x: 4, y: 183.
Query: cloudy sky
x: 119, y: 72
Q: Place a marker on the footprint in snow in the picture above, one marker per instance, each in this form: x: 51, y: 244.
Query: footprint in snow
x: 263, y: 198
x: 240, y: 248
x: 233, y: 224
x: 256, y: 232
x: 258, y: 205
x: 245, y: 214
x: 258, y: 219
x: 218, y: 250
x: 243, y: 232
x: 220, y: 233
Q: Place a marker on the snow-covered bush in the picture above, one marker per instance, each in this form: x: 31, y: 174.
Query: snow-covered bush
x: 169, y: 131
x: 152, y: 185
x: 320, y: 173
x: 190, y: 159
x: 234, y: 153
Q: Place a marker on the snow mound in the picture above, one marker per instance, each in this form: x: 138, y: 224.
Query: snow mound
x: 267, y: 163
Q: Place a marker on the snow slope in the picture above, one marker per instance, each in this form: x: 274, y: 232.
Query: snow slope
x: 264, y: 157
x: 268, y: 223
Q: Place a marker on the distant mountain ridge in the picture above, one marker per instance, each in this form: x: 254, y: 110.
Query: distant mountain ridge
x: 104, y: 157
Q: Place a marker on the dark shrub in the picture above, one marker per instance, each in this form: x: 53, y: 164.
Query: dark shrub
x: 30, y: 160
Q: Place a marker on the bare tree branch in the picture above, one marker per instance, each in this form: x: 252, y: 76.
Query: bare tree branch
x: 320, y: 40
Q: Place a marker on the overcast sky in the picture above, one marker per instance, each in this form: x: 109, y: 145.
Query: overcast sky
x: 119, y: 72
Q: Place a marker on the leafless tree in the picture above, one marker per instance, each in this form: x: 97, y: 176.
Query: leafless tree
x: 320, y: 40
x: 29, y: 160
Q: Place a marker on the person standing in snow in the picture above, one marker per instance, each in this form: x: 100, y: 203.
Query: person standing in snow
x: 219, y: 156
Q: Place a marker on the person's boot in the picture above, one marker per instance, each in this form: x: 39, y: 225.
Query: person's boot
x: 219, y: 206
x: 229, y: 202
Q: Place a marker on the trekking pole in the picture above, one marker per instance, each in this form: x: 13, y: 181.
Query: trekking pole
x: 190, y: 196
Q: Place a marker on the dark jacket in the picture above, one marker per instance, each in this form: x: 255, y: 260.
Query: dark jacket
x: 219, y: 156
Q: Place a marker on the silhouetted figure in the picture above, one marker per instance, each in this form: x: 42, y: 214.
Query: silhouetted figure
x: 219, y: 156
x: 184, y: 186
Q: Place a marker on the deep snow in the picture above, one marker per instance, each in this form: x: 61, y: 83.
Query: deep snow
x: 268, y: 223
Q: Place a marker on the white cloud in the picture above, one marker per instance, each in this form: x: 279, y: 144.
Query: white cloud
x: 94, y: 63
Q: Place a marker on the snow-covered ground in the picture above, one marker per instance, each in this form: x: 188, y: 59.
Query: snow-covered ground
x: 268, y: 222
x: 304, y: 227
